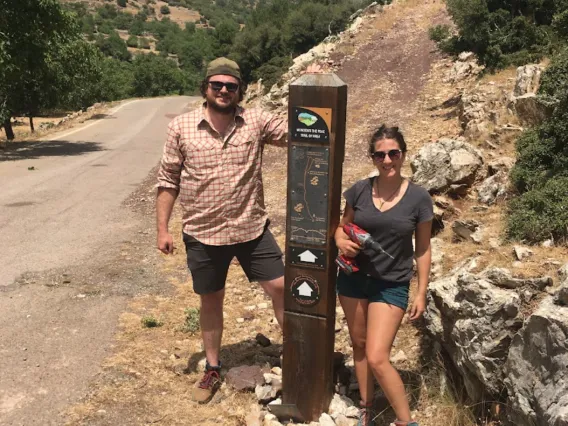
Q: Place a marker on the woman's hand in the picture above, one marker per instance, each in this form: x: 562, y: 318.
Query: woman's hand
x: 347, y: 247
x: 418, y: 307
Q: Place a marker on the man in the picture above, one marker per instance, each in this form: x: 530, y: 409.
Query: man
x: 212, y: 160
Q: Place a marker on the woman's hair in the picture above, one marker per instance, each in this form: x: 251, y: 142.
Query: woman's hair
x: 242, y: 88
x: 385, y: 132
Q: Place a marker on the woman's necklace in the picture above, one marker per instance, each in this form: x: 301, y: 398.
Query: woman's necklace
x: 384, y: 200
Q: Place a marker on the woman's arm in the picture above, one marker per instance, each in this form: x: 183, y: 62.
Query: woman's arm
x: 423, y: 255
x: 342, y: 241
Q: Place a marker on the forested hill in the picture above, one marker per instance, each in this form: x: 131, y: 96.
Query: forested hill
x: 71, y: 54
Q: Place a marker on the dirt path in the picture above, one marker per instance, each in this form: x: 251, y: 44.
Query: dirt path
x: 73, y: 253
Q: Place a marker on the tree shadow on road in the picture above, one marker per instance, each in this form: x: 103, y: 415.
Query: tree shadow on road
x: 15, y: 151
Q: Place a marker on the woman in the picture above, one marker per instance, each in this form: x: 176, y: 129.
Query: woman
x: 374, y: 300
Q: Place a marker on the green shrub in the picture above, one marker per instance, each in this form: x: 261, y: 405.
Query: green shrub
x: 144, y: 43
x: 165, y: 10
x: 121, y: 3
x: 535, y: 157
x: 540, y: 214
x: 439, y: 33
x: 191, y: 322
x: 150, y: 321
x: 132, y: 41
x: 555, y: 79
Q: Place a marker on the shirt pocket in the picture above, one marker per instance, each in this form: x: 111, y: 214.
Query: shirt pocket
x: 202, y: 155
x: 241, y: 148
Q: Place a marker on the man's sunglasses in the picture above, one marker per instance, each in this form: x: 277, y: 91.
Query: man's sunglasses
x: 394, y: 154
x: 218, y: 85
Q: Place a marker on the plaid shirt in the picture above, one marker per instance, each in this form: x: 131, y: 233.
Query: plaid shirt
x: 219, y: 179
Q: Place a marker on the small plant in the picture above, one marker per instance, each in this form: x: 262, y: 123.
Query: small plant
x: 191, y: 323
x: 165, y: 10
x: 121, y: 3
x: 149, y: 321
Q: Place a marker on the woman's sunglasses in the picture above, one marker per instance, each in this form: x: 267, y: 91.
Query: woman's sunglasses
x: 218, y: 85
x: 394, y: 154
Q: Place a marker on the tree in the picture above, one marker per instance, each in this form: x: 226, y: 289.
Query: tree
x: 121, y: 3
x: 41, y: 52
x: 117, y: 80
x: 165, y: 10
x: 113, y: 46
x: 156, y: 76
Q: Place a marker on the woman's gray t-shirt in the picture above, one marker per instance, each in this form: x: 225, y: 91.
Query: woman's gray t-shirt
x: 393, y: 229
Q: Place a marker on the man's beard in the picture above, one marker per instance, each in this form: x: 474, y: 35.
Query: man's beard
x: 228, y: 109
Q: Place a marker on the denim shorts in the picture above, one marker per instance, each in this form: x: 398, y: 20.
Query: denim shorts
x: 363, y: 286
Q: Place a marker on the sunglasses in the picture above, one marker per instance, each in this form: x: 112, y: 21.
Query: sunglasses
x: 394, y: 154
x: 218, y: 85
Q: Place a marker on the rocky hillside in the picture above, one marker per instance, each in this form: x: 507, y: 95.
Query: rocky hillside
x: 493, y: 304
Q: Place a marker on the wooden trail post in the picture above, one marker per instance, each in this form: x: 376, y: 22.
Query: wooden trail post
x: 316, y: 120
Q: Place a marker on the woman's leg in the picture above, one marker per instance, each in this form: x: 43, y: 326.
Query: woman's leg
x: 356, y: 314
x: 383, y: 321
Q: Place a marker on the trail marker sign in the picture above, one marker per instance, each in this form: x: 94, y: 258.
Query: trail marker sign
x: 316, y: 120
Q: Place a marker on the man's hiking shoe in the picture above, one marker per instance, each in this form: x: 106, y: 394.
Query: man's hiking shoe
x: 204, y: 390
x: 366, y: 417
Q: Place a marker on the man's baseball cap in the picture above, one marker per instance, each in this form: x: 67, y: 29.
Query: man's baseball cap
x: 223, y: 66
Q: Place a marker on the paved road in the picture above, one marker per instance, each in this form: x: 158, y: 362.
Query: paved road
x: 55, y: 214
x: 64, y: 215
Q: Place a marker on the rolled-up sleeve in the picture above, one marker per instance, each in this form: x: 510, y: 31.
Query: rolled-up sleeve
x: 169, y: 172
x: 274, y: 129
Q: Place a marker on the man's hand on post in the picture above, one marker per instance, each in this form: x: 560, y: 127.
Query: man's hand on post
x: 314, y: 68
x: 165, y: 242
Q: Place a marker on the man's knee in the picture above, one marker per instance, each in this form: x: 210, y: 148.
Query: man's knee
x: 274, y: 288
x: 212, y: 300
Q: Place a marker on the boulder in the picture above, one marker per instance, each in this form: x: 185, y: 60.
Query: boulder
x: 493, y: 188
x: 530, y: 109
x: 502, y: 277
x: 339, y: 405
x: 467, y: 230
x: 528, y: 79
x: 245, y: 377
x: 439, y: 165
x: 474, y: 321
x: 537, y: 368
x: 522, y: 253
x: 466, y: 66
x: 502, y: 164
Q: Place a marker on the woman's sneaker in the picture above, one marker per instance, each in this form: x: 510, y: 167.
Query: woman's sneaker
x: 399, y: 423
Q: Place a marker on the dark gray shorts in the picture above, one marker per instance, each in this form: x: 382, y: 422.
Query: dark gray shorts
x: 261, y: 260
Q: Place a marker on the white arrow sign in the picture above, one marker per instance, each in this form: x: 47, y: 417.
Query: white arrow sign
x: 305, y: 290
x: 308, y: 256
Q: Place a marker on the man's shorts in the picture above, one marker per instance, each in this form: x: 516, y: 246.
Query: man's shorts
x: 261, y: 260
x: 363, y: 286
